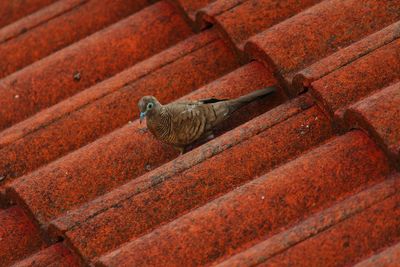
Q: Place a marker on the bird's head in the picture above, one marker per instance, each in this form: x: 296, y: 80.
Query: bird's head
x: 147, y: 106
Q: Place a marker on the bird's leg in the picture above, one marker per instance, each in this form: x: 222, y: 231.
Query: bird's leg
x: 210, y: 137
x: 181, y: 150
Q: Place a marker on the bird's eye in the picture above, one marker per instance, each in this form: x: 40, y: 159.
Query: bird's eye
x: 150, y: 106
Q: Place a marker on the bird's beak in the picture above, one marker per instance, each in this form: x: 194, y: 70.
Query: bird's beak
x: 142, y: 116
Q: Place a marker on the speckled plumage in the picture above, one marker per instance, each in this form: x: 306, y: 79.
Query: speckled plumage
x: 182, y: 123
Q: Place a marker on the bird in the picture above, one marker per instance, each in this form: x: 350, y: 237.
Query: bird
x: 183, y: 122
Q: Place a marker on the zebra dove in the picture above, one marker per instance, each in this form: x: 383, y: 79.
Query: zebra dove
x: 182, y: 123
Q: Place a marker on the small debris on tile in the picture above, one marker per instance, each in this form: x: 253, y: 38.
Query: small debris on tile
x: 16, y: 96
x: 2, y: 177
x: 77, y: 76
x: 147, y: 167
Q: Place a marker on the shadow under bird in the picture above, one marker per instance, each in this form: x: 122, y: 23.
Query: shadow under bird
x: 182, y: 123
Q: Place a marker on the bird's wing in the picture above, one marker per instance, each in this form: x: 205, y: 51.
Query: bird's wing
x: 190, y: 121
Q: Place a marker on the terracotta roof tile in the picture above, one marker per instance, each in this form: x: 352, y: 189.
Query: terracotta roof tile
x: 87, y: 62
x: 253, y: 16
x: 318, y: 32
x: 198, y: 185
x: 205, y: 14
x: 304, y: 181
x: 379, y: 115
x: 260, y: 207
x: 357, y: 236
x: 189, y: 7
x: 345, y: 86
x: 242, y: 133
x: 18, y: 236
x: 61, y: 30
x: 41, y: 16
x: 388, y: 257
x: 55, y: 256
x: 116, y: 109
x: 13, y: 10
x: 189, y: 71
x: 319, y: 222
x: 346, y: 55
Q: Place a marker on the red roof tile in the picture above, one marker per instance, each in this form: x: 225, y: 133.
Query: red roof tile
x: 260, y: 207
x: 87, y: 62
x: 346, y: 55
x: 18, y: 236
x: 198, y: 185
x: 379, y: 114
x: 242, y: 133
x: 12, y: 10
x: 387, y: 258
x: 317, y: 223
x: 253, y: 16
x: 352, y: 82
x: 305, y: 181
x: 56, y: 255
x: 61, y: 30
x: 318, y: 32
x: 116, y: 109
x: 357, y: 236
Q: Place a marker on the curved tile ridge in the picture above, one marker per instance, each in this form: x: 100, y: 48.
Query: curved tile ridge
x: 164, y: 201
x: 390, y: 257
x: 314, y: 225
x: 251, y: 17
x: 37, y: 18
x: 11, y: 11
x: 19, y: 237
x: 362, y: 77
x: 349, y: 241
x: 95, y: 119
x: 190, y: 7
x: 317, y: 32
x: 268, y: 120
x: 54, y: 256
x: 379, y: 115
x: 261, y: 207
x: 60, y: 31
x: 97, y: 91
x: 89, y: 61
x: 204, y: 15
x: 345, y: 56
x: 117, y: 157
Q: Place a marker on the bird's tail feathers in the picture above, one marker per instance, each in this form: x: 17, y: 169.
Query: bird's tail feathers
x: 256, y: 95
x: 246, y: 99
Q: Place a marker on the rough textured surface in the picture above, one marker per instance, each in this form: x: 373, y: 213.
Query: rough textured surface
x: 87, y: 62
x: 99, y: 90
x: 54, y: 256
x: 116, y: 109
x: 317, y: 223
x: 390, y: 257
x: 346, y: 55
x: 305, y: 181
x: 41, y: 16
x: 123, y: 162
x: 357, y: 236
x: 242, y: 133
x: 379, y: 114
x: 319, y: 31
x: 18, y: 236
x: 278, y: 198
x: 13, y: 10
x: 62, y: 30
x: 199, y: 184
x: 358, y: 79
x: 252, y: 17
